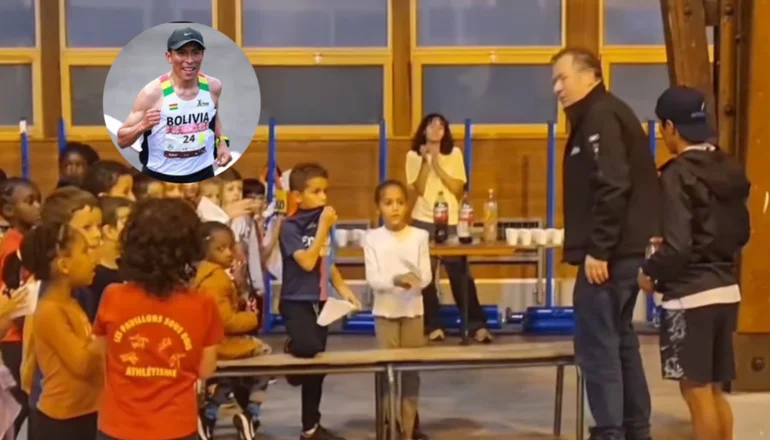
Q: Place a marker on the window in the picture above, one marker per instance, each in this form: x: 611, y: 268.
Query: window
x: 324, y: 66
x: 20, y: 68
x: 87, y: 86
x: 319, y: 23
x: 633, y: 53
x: 512, y: 94
x: 17, y: 23
x: 335, y: 95
x: 639, y: 85
x: 93, y: 23
x: 489, y: 23
x: 488, y: 61
x: 90, y: 40
x: 635, y: 23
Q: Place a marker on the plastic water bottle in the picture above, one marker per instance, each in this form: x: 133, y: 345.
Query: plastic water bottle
x: 490, y: 218
x: 465, y: 221
x: 440, y: 219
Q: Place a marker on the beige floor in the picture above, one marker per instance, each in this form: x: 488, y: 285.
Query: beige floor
x: 488, y: 405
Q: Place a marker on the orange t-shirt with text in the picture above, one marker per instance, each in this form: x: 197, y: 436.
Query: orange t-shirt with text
x: 154, y: 349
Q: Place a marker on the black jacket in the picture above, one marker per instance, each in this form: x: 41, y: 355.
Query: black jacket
x: 610, y: 195
x: 705, y: 223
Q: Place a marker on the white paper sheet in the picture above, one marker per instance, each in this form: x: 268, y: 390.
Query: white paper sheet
x: 334, y: 310
x: 211, y: 212
x: 32, y: 290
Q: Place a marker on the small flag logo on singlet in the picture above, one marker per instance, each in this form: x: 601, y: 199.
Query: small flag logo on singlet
x: 174, y: 106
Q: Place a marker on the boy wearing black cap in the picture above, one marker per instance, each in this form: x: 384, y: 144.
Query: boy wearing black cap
x: 176, y: 117
x: 705, y: 223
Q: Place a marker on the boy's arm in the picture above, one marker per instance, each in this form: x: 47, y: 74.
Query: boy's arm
x: 339, y: 284
x: 272, y: 238
x: 674, y: 253
x: 291, y: 239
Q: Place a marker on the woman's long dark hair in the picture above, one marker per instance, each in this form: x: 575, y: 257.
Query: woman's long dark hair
x: 419, y: 139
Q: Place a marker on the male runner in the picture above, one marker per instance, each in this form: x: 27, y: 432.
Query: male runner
x: 176, y: 117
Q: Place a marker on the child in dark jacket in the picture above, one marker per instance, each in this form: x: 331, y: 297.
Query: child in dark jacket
x: 705, y: 223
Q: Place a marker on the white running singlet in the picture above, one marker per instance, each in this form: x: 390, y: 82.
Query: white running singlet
x: 183, y: 141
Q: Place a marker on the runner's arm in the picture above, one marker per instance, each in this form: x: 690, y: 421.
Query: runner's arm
x: 134, y: 125
x: 215, y: 86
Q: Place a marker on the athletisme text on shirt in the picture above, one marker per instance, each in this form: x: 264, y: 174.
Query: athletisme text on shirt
x: 150, y: 372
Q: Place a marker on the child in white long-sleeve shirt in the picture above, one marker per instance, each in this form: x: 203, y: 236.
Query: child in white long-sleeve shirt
x: 397, y: 258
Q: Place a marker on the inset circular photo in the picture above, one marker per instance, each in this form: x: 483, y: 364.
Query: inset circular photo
x: 181, y: 102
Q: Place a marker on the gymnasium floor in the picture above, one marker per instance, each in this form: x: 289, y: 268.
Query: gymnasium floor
x: 485, y: 405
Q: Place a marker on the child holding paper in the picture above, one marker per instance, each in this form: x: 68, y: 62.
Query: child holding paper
x: 397, y: 263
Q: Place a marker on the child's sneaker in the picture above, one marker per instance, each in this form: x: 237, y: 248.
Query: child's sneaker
x: 246, y: 428
x: 205, y: 426
x: 321, y: 433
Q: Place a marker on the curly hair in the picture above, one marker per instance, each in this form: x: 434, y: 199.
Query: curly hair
x: 86, y: 151
x: 103, y: 175
x: 208, y: 229
x: 7, y: 189
x: 160, y: 246
x: 419, y: 138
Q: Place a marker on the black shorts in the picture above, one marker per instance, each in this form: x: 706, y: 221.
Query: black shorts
x: 697, y: 344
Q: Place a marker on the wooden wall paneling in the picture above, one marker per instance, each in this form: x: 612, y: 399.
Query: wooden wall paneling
x: 583, y: 30
x: 225, y: 17
x: 684, y: 25
x: 49, y: 60
x: 400, y: 30
x: 755, y: 278
x: 712, y: 12
x: 726, y: 87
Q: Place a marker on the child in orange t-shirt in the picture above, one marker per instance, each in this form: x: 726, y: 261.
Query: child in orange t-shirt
x: 218, y: 242
x: 160, y: 335
x: 65, y: 352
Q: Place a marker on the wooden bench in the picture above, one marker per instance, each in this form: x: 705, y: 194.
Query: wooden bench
x: 387, y: 364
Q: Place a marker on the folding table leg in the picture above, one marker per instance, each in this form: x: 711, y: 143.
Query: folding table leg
x: 379, y: 408
x: 558, y: 400
x: 392, y: 401
x: 580, y: 402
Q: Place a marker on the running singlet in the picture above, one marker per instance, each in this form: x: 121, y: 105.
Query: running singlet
x: 183, y: 141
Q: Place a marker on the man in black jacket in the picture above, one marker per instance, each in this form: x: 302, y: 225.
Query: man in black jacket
x: 705, y: 223
x: 610, y: 200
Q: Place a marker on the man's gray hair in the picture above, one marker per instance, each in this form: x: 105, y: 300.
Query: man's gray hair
x: 583, y: 58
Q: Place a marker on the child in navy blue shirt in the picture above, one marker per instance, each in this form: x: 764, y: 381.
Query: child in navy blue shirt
x: 304, y: 238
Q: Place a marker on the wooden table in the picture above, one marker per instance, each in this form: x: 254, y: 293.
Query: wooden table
x: 387, y: 364
x: 476, y: 249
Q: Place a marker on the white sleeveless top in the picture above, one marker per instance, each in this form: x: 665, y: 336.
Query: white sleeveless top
x: 183, y: 141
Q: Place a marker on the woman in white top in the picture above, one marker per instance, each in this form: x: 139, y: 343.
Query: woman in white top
x: 435, y: 165
x: 397, y: 269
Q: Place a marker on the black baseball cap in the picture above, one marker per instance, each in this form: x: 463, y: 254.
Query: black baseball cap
x: 685, y: 107
x: 182, y: 36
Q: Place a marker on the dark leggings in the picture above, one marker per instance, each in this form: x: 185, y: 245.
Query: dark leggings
x: 307, y: 340
x: 12, y: 359
x: 42, y: 427
x: 459, y: 273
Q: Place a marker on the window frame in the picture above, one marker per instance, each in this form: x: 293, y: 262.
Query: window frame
x: 87, y: 57
x: 630, y: 54
x: 27, y: 56
x: 325, y: 57
x: 422, y: 56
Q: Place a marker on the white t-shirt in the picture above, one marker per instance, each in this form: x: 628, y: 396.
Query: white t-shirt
x: 454, y: 165
x: 387, y: 255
